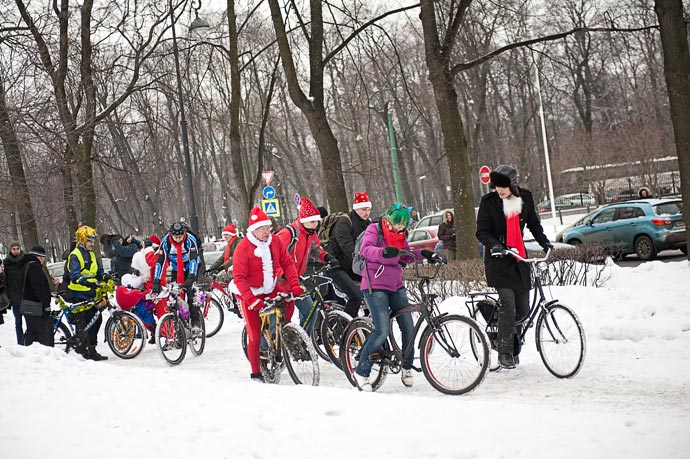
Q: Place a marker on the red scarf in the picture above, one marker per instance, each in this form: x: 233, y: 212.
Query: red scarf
x: 180, y: 261
x: 392, y: 237
x: 227, y: 254
x: 512, y: 207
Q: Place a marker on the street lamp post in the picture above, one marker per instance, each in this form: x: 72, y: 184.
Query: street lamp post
x: 421, y: 184
x: 196, y: 24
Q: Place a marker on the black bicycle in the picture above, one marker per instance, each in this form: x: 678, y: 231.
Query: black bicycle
x: 175, y: 330
x: 454, y: 352
x: 559, y: 334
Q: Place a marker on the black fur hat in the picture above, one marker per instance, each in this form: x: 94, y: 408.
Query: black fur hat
x: 505, y: 176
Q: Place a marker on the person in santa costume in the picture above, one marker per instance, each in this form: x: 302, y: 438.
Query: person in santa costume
x: 231, y: 238
x: 500, y: 222
x: 303, y: 232
x: 258, y: 261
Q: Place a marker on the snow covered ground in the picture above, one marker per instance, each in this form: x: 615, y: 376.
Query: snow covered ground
x: 631, y: 399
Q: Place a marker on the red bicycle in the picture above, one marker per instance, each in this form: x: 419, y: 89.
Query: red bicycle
x: 216, y: 299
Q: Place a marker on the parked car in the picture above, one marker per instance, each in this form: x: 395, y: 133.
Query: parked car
x: 644, y: 227
x: 568, y: 201
x: 432, y: 221
x: 424, y: 238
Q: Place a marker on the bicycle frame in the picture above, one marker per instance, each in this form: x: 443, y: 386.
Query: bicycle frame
x: 316, y: 294
x: 65, y: 308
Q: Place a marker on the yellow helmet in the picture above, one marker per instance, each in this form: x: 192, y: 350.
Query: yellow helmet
x: 85, y: 233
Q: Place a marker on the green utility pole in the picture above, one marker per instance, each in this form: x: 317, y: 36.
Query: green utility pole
x: 394, y: 158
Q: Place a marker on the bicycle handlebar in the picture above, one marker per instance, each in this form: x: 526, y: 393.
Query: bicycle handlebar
x: 513, y: 252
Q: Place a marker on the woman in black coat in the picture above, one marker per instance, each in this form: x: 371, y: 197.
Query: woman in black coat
x: 501, y: 220
x: 37, y: 288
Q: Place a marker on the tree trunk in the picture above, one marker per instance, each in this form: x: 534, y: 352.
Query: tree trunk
x: 22, y: 198
x: 674, y: 40
x: 235, y: 102
x: 454, y: 142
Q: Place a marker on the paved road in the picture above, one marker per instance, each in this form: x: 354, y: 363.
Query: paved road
x: 665, y: 256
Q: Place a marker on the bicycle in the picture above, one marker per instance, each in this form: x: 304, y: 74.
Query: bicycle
x: 216, y: 299
x: 174, y: 332
x: 330, y: 320
x: 125, y: 333
x: 454, y: 352
x: 288, y: 345
x: 559, y: 335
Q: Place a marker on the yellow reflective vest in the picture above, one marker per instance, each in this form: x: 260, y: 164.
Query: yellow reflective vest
x: 89, y: 273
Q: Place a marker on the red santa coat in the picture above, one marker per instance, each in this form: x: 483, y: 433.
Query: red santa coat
x: 306, y: 242
x: 248, y: 273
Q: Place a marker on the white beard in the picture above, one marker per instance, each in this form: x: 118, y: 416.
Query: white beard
x: 264, y: 252
x: 512, y: 205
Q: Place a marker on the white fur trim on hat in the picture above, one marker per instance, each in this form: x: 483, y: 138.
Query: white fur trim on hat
x: 258, y: 225
x: 362, y: 205
x: 313, y: 218
x: 228, y: 233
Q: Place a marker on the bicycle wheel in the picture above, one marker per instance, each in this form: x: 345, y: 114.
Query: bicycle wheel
x: 299, y: 355
x: 454, y: 355
x: 271, y: 367
x: 62, y: 334
x: 171, y: 339
x: 213, y: 316
x: 332, y: 332
x: 125, y: 334
x: 197, y: 339
x: 316, y: 338
x: 491, y: 332
x: 560, y: 340
x: 354, y: 337
x: 245, y: 340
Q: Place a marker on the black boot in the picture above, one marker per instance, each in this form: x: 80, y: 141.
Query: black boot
x: 257, y: 377
x: 505, y: 359
x: 92, y: 354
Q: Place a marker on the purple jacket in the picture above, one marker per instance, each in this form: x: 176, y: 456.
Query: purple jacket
x: 384, y: 273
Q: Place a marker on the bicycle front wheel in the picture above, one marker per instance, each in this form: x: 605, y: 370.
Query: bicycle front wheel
x: 171, y: 339
x: 354, y: 338
x: 197, y: 338
x: 301, y: 359
x: 560, y: 341
x: 62, y: 335
x: 316, y: 337
x: 332, y: 332
x: 125, y: 334
x: 454, y: 355
x: 245, y: 340
x: 213, y: 316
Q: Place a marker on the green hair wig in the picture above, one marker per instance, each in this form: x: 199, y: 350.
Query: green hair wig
x: 398, y: 213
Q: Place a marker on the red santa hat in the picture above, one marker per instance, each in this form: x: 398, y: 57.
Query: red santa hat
x: 229, y: 229
x: 257, y: 219
x: 361, y: 201
x: 155, y: 240
x: 308, y: 211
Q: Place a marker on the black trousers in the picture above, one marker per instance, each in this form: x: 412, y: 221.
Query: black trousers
x: 82, y: 319
x: 39, y: 330
x: 349, y: 288
x: 512, y: 304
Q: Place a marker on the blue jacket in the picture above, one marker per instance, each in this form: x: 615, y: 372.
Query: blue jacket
x: 190, y: 256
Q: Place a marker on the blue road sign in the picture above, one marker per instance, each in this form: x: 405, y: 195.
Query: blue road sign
x: 297, y: 199
x: 269, y: 192
x: 271, y: 207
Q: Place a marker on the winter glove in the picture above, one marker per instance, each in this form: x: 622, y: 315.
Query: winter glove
x: 430, y: 256
x: 189, y: 283
x: 299, y: 291
x: 547, y: 247
x: 156, y: 288
x: 106, y: 277
x: 452, y: 236
x: 331, y: 260
x: 390, y: 252
x: 498, y: 251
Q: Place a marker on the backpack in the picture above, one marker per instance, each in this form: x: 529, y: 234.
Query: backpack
x: 358, y: 260
x: 294, y: 236
x: 326, y: 228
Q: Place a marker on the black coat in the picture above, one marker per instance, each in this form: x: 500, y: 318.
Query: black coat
x: 13, y: 277
x: 446, y: 233
x: 343, y: 238
x: 491, y: 231
x: 37, y: 287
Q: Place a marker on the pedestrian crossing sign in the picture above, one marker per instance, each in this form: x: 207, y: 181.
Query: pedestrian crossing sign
x: 271, y: 207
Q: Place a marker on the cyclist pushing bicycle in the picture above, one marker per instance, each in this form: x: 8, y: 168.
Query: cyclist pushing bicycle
x: 501, y: 219
x: 258, y: 259
x: 383, y: 288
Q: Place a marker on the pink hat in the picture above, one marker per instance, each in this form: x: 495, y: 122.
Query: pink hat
x: 257, y: 219
x: 308, y: 211
x: 229, y: 229
x: 361, y: 201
